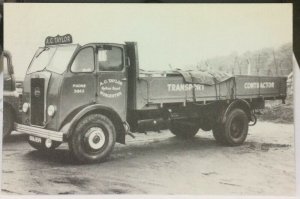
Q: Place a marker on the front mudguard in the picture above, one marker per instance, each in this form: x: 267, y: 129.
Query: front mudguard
x: 68, y: 127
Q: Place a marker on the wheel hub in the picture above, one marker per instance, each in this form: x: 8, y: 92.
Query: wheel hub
x: 96, y: 138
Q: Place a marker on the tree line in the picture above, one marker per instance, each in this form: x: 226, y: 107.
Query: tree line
x: 267, y: 61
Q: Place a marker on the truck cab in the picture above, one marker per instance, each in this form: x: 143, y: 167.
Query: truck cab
x: 67, y: 82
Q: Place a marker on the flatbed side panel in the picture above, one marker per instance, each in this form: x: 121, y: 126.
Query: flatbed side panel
x: 155, y: 90
x: 247, y: 86
x: 255, y: 87
x: 221, y: 91
x: 159, y: 90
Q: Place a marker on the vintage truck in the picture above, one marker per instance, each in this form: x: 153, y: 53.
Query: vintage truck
x: 11, y: 96
x: 91, y: 96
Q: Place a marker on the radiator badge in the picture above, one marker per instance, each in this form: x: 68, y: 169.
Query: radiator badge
x: 37, y: 92
x: 111, y: 88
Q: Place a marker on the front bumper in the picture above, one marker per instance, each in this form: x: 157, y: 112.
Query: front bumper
x: 39, y: 132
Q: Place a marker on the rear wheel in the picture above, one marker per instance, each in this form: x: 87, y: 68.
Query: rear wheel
x: 93, y: 139
x: 8, y: 121
x: 235, y: 129
x: 182, y: 130
x: 44, y: 145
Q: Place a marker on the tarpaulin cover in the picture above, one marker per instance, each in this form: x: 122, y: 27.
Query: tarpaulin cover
x: 191, y: 76
x: 204, y: 77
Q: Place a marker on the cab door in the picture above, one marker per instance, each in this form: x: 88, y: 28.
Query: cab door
x: 79, y: 83
x: 112, y: 78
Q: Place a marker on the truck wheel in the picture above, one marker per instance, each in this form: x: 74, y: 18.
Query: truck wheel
x: 8, y: 121
x: 235, y: 128
x: 183, y: 131
x: 93, y: 139
x: 42, y: 146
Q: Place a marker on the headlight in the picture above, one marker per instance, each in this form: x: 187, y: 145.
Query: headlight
x: 51, y: 110
x: 25, y: 107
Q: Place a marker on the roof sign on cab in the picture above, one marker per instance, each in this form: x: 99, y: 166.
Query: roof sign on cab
x: 65, y: 39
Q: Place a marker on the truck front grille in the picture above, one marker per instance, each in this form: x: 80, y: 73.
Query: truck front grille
x: 37, y: 101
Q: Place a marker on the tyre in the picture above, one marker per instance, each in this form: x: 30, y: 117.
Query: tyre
x: 42, y: 146
x: 182, y: 130
x: 8, y: 121
x: 235, y: 128
x: 93, y: 139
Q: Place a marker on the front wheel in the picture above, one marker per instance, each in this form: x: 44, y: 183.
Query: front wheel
x: 93, y: 139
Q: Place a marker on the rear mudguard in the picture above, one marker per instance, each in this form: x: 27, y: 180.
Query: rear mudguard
x: 239, y: 103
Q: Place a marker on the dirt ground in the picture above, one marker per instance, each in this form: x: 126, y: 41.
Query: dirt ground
x: 159, y: 163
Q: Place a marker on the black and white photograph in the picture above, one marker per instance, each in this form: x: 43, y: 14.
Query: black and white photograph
x: 168, y: 99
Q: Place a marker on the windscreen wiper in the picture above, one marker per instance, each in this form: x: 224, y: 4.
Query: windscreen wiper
x: 44, y: 49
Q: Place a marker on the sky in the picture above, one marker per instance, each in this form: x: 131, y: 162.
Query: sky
x: 167, y: 34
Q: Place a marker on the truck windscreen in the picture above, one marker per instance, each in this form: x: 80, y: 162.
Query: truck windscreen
x: 54, y: 58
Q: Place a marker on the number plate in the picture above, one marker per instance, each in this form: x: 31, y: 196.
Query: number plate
x: 35, y: 139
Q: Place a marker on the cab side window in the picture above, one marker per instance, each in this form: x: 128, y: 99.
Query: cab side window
x: 84, y: 61
x: 110, y: 59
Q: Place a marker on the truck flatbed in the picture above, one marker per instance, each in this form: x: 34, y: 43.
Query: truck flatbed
x: 157, y: 88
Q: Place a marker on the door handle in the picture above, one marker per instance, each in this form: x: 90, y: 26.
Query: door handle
x: 124, y: 79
